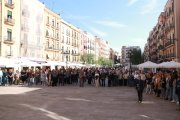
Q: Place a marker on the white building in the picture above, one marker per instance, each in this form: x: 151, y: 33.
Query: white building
x: 32, y: 29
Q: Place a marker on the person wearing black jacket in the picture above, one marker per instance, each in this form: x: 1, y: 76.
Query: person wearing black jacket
x: 140, y: 86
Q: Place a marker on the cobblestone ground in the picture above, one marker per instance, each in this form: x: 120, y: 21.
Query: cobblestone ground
x: 88, y: 103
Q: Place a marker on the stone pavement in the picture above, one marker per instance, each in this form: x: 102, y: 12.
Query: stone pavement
x: 88, y: 103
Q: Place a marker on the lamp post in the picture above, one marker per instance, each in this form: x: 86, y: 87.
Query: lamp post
x: 130, y: 67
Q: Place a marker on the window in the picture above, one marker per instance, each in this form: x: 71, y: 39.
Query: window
x: 57, y: 36
x: 0, y: 48
x: 57, y: 25
x: 57, y: 45
x: 47, y: 43
x: 10, y: 2
x: 63, y: 39
x: 9, y: 34
x: 52, y: 22
x: 48, y: 20
x: 47, y: 33
x: 9, y: 14
x: 9, y: 51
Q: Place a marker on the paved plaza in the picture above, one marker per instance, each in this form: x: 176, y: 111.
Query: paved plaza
x: 88, y: 103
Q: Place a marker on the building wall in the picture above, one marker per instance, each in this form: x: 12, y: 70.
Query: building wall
x: 32, y: 29
x: 10, y: 28
x: 52, y: 35
x: 44, y: 35
x: 163, y: 39
x: 177, y: 28
x: 70, y: 38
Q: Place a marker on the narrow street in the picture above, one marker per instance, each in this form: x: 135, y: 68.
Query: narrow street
x: 88, y: 103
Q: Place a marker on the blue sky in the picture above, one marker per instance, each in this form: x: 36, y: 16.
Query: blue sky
x: 120, y: 22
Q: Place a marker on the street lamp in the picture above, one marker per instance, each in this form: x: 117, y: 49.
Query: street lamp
x: 130, y: 67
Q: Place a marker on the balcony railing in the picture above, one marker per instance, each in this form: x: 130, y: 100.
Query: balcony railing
x: 9, y: 21
x: 161, y: 47
x: 52, y: 48
x: 75, y: 54
x: 47, y: 36
x: 9, y: 53
x: 49, y: 48
x: 170, y: 42
x: 48, y: 24
x: 8, y: 40
x: 9, y: 5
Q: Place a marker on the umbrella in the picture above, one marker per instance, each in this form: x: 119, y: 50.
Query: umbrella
x: 148, y: 64
x: 171, y: 64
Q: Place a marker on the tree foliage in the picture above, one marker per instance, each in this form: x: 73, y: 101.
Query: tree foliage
x: 136, y: 57
x: 104, y: 62
x: 87, y: 58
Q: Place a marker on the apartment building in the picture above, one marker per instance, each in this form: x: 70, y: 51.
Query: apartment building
x: 146, y: 52
x: 52, y: 35
x: 10, y: 28
x: 103, y: 48
x: 43, y: 34
x: 125, y: 53
x: 70, y: 38
x: 32, y: 29
x: 163, y: 41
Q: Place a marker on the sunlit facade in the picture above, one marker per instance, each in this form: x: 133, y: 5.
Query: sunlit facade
x: 43, y: 34
x: 163, y: 42
x: 52, y: 35
x: 70, y: 38
x: 32, y: 29
x: 10, y: 28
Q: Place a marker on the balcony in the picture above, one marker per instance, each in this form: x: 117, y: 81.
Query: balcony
x: 8, y: 40
x: 170, y: 42
x: 9, y: 21
x: 9, y: 53
x: 47, y: 24
x: 172, y: 26
x: 47, y: 36
x: 48, y: 48
x: 9, y: 5
x: 161, y: 47
x: 75, y: 54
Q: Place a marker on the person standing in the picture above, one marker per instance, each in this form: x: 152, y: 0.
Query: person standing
x: 10, y: 76
x: 97, y: 78
x: 1, y: 76
x: 81, y: 78
x: 140, y: 81
x: 178, y: 91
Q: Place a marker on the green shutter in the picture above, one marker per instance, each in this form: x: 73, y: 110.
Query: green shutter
x: 9, y: 30
x: 9, y: 13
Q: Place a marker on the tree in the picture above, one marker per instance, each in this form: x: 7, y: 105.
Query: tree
x: 87, y: 58
x: 136, y: 56
x: 104, y: 61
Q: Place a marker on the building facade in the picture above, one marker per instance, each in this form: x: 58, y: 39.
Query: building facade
x: 125, y: 53
x: 52, y: 35
x: 10, y: 28
x: 43, y: 34
x: 70, y: 38
x: 163, y: 40
x: 32, y: 29
x: 102, y: 48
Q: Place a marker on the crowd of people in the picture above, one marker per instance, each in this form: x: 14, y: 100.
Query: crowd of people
x: 163, y: 84
x: 60, y: 77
